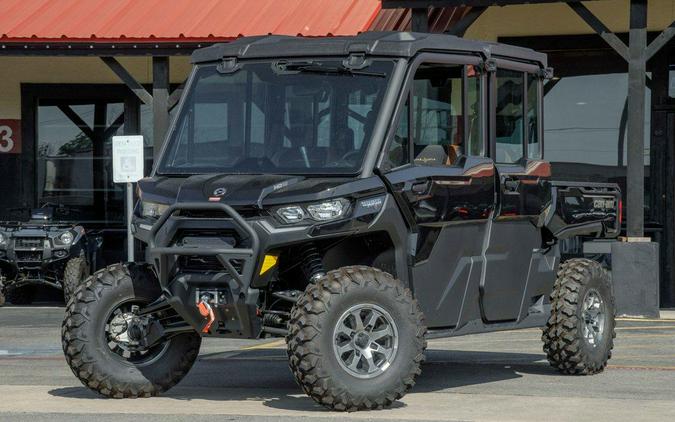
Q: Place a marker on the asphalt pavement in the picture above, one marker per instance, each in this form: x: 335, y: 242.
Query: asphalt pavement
x: 489, y: 377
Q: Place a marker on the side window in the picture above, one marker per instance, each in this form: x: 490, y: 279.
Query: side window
x: 437, y: 115
x: 533, y: 141
x: 509, y: 115
x: 398, y: 153
x: 474, y: 110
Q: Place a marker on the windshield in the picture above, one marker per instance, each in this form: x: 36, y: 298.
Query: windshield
x: 277, y: 117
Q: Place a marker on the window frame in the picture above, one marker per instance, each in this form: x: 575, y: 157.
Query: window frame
x: 407, y: 93
x: 526, y: 69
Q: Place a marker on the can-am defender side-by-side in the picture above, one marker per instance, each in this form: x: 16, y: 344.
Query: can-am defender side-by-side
x: 42, y: 251
x: 357, y: 196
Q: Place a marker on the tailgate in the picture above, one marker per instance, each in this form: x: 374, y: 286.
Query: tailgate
x: 584, y: 209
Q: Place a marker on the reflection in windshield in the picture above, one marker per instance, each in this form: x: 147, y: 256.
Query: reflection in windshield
x: 267, y: 118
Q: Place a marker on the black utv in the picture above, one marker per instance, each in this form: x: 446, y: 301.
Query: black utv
x: 43, y: 251
x: 357, y: 196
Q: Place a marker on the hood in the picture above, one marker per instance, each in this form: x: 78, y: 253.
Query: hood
x: 246, y: 190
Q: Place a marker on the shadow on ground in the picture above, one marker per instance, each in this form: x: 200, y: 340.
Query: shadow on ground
x: 263, y: 375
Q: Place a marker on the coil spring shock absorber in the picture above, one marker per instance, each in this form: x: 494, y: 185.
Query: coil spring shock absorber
x: 312, y: 265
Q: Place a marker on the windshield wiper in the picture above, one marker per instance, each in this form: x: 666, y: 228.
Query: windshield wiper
x: 308, y: 67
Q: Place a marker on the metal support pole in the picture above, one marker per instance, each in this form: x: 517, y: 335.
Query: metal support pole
x: 130, y: 215
x: 637, y: 67
x: 420, y: 20
x: 160, y: 102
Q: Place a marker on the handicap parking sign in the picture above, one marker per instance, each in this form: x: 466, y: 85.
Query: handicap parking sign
x: 127, y: 158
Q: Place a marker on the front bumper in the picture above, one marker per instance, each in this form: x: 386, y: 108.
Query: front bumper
x: 233, y: 287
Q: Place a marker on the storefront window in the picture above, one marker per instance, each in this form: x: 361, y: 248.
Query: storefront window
x: 586, y: 131
x: 74, y: 165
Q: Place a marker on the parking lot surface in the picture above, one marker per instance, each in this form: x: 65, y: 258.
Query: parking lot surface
x: 490, y: 377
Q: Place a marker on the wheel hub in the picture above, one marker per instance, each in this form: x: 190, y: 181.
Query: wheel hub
x: 594, y: 317
x: 365, y: 340
x: 126, y: 332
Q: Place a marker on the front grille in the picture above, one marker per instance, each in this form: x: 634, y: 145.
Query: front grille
x: 29, y: 243
x: 28, y: 256
x: 214, y: 214
x: 193, y: 263
x: 200, y: 263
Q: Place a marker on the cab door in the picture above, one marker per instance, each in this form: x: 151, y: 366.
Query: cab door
x: 444, y: 183
x: 523, y: 191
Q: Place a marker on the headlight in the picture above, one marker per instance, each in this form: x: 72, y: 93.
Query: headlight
x: 291, y: 214
x: 152, y: 209
x: 323, y: 211
x: 329, y: 210
x: 3, y: 239
x: 66, y: 238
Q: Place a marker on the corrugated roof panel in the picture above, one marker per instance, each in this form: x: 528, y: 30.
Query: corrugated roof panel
x: 105, y: 20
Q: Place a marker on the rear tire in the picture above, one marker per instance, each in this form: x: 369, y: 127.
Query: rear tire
x: 23, y: 295
x: 77, y: 270
x: 579, y: 335
x: 335, y: 358
x: 87, y: 346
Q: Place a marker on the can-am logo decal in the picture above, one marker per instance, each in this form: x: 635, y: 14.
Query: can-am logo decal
x: 220, y: 192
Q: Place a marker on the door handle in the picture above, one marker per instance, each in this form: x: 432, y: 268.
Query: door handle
x: 511, y: 185
x: 419, y: 188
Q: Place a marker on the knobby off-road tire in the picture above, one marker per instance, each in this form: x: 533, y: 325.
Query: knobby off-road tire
x: 569, y: 343
x: 23, y: 295
x: 76, y: 271
x: 313, y: 344
x: 87, y: 350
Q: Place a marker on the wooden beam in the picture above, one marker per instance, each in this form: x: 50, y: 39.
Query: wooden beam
x: 77, y: 121
x: 460, y: 28
x: 420, y: 20
x: 600, y: 28
x: 128, y: 79
x: 175, y: 95
x: 635, y: 124
x: 411, y: 4
x: 661, y: 40
x: 160, y: 103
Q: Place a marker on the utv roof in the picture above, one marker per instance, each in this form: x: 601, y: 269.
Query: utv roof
x: 385, y: 44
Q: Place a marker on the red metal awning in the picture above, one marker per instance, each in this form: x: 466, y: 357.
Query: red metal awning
x: 53, y: 21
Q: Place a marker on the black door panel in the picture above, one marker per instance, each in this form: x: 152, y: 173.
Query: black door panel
x: 451, y: 206
x: 514, y: 238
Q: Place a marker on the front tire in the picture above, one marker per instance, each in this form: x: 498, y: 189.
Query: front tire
x: 579, y: 335
x: 106, y: 366
x: 356, y: 339
x: 76, y: 271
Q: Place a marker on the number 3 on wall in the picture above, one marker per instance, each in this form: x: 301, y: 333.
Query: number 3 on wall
x: 10, y: 136
x: 6, y: 141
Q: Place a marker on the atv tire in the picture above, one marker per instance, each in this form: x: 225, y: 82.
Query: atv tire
x: 76, y: 272
x: 579, y: 335
x: 23, y: 295
x: 87, y: 348
x: 324, y: 323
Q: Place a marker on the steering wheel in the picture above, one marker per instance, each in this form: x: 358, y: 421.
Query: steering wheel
x: 349, y: 158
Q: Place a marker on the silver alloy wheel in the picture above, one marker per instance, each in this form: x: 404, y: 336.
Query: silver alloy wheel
x: 365, y: 340
x: 594, y: 314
